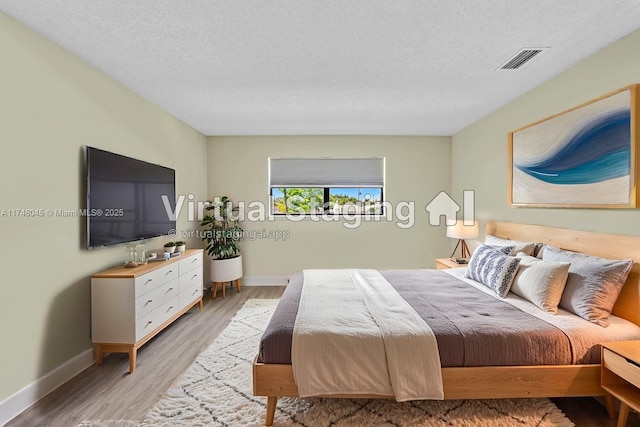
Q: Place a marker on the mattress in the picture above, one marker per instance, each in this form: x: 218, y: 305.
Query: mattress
x: 472, y: 326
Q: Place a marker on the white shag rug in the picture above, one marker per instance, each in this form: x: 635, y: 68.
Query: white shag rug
x: 217, y: 391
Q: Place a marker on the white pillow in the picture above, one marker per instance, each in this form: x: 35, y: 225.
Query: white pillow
x: 540, y: 282
x: 526, y: 247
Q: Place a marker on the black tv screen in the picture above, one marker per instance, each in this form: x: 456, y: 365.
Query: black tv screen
x: 125, y: 199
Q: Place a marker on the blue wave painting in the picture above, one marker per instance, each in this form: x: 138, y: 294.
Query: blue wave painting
x: 598, y: 152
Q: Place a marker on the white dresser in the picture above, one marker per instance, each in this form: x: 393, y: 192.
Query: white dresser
x: 129, y: 306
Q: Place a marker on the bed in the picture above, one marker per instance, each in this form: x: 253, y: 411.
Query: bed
x: 556, y: 379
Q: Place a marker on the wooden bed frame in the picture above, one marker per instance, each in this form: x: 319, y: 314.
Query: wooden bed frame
x: 275, y: 380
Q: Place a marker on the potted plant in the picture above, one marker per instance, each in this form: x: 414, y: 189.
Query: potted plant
x: 222, y: 234
x: 170, y: 247
x: 181, y: 246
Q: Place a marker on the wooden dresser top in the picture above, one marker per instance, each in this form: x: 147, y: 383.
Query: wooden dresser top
x: 122, y: 272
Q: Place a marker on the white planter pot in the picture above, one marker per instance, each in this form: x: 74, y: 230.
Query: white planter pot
x: 226, y: 270
x: 181, y: 248
x: 170, y: 249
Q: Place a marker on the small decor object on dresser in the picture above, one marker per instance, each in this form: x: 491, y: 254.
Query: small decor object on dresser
x: 134, y: 255
x: 181, y: 246
x: 170, y: 247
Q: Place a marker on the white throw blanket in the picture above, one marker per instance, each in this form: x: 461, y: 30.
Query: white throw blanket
x: 354, y: 334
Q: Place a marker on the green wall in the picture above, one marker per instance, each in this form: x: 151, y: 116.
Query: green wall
x: 417, y: 169
x: 51, y: 104
x: 480, y: 150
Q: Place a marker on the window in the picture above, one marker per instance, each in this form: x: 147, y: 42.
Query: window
x: 297, y: 200
x: 358, y: 200
x: 328, y: 185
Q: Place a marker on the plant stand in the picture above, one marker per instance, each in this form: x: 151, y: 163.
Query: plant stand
x: 225, y: 271
x: 224, y: 285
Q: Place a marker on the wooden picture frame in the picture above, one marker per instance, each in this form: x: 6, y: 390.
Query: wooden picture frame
x: 584, y: 157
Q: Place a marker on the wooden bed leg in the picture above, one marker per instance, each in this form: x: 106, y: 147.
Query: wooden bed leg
x: 610, y: 403
x: 271, y: 410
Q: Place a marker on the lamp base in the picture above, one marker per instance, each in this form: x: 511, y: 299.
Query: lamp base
x: 465, y: 249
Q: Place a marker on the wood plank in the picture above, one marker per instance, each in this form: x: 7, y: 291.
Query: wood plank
x: 491, y: 382
x: 521, y: 381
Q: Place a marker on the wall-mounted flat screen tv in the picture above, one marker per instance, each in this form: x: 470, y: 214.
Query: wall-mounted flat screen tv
x: 127, y: 199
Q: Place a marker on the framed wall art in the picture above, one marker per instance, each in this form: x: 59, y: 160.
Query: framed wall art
x: 584, y: 157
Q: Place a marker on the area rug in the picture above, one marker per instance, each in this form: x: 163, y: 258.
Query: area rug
x: 217, y: 391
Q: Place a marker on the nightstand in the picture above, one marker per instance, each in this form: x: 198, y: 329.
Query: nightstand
x: 444, y: 263
x: 621, y: 375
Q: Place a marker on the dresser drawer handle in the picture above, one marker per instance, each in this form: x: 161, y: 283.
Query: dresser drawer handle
x: 149, y: 322
x: 169, y: 290
x: 195, y: 291
x: 170, y: 308
x: 168, y: 272
x: 149, y: 301
x: 194, y: 260
x: 194, y: 276
x: 148, y: 280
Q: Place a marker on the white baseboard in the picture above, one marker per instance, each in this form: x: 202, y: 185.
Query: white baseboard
x: 265, y: 281
x: 31, y: 393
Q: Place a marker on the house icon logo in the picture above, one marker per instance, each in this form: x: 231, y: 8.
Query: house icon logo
x: 443, y: 205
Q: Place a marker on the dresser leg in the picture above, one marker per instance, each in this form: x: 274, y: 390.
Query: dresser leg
x: 99, y: 355
x: 133, y: 352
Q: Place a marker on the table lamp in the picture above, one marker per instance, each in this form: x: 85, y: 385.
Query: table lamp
x: 461, y: 231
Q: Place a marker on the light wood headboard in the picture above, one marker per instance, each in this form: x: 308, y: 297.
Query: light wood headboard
x: 612, y: 246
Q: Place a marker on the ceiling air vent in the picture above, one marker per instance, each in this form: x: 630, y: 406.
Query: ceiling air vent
x: 521, y: 57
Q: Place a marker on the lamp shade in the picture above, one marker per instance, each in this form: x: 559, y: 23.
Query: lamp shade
x: 461, y: 231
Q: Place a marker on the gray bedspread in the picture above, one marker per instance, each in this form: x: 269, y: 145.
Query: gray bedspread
x: 471, y: 327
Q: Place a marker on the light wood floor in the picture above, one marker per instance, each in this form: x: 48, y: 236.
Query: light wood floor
x: 109, y: 392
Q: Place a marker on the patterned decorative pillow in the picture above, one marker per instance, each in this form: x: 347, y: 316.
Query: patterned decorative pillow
x: 493, y: 269
x: 526, y: 247
x: 594, y: 283
x: 540, y: 282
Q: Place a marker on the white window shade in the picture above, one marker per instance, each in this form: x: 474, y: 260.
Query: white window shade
x: 326, y: 172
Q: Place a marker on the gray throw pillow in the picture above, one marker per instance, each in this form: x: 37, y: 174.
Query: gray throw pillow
x: 593, y: 285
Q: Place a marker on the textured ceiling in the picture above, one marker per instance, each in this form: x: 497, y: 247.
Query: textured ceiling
x: 336, y: 67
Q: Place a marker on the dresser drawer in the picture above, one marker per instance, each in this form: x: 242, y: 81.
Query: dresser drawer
x: 148, y: 323
x: 153, y: 299
x: 190, y: 263
x: 190, y: 278
x: 621, y: 367
x: 190, y: 295
x: 155, y: 278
